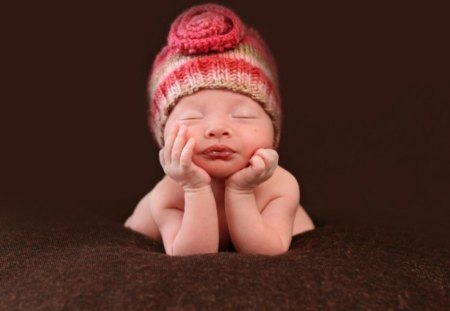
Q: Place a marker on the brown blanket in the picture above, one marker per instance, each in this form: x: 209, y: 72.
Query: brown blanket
x: 87, y: 262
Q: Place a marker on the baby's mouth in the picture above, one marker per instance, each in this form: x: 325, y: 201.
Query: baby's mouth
x: 218, y: 152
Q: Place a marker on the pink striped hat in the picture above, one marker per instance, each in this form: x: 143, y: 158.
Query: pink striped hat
x: 209, y: 47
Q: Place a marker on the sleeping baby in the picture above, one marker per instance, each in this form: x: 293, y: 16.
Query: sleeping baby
x: 215, y: 112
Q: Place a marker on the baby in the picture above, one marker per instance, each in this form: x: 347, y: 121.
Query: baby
x: 215, y: 112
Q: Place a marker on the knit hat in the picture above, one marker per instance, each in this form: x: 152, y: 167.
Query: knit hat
x: 209, y: 47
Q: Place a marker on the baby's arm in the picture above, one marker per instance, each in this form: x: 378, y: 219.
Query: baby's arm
x: 194, y: 230
x: 267, y: 232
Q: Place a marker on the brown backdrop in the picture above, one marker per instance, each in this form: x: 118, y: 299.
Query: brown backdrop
x: 365, y: 98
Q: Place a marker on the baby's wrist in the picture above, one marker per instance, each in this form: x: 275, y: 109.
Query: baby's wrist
x: 233, y: 189
x: 196, y: 188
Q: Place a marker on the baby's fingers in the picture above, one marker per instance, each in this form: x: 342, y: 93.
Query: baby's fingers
x: 269, y: 156
x: 257, y: 163
x: 169, y: 143
x: 186, y: 154
x: 178, y: 145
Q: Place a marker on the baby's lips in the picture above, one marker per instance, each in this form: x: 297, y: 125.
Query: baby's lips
x: 215, y: 152
x: 218, y: 148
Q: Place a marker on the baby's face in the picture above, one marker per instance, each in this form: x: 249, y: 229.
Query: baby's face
x: 227, y: 127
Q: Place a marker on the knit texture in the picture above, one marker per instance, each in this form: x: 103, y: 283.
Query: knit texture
x: 209, y: 47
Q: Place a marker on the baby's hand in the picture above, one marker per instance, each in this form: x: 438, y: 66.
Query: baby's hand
x: 262, y: 165
x: 176, y: 160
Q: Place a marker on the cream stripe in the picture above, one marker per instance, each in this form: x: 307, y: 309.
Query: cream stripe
x: 244, y: 85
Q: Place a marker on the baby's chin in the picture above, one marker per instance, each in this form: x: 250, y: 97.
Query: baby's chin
x: 220, y: 173
x: 220, y: 170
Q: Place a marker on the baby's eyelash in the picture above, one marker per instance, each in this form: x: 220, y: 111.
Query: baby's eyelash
x: 244, y: 117
x: 191, y: 118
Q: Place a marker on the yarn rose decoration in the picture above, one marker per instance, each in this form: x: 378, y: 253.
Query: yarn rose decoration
x: 205, y: 28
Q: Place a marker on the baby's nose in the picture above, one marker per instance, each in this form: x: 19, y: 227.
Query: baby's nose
x: 217, y: 131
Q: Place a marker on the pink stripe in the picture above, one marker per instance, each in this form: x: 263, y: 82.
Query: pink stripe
x: 207, y: 65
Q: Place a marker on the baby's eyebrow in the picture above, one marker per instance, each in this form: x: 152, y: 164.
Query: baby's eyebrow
x: 189, y: 111
x: 196, y: 105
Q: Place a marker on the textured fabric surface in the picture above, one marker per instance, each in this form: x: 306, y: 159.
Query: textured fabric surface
x: 92, y: 263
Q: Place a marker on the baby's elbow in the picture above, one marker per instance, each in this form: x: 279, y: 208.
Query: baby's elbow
x: 279, y: 246
x: 129, y: 223
x: 275, y: 251
x: 186, y: 250
x: 190, y: 252
x: 267, y: 252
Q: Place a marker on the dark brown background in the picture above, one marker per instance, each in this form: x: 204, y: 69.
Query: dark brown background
x: 365, y: 97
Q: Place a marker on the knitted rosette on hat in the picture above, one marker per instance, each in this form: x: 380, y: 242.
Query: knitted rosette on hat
x: 208, y: 47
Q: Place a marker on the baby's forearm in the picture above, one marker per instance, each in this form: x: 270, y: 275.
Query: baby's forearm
x: 199, y: 231
x: 248, y: 230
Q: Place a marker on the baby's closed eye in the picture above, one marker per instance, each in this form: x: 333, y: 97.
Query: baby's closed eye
x: 191, y: 116
x: 244, y: 115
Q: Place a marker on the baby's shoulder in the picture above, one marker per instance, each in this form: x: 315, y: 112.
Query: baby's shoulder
x: 282, y: 182
x: 284, y: 177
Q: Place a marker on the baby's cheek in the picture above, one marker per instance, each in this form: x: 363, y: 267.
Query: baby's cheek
x: 192, y: 132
